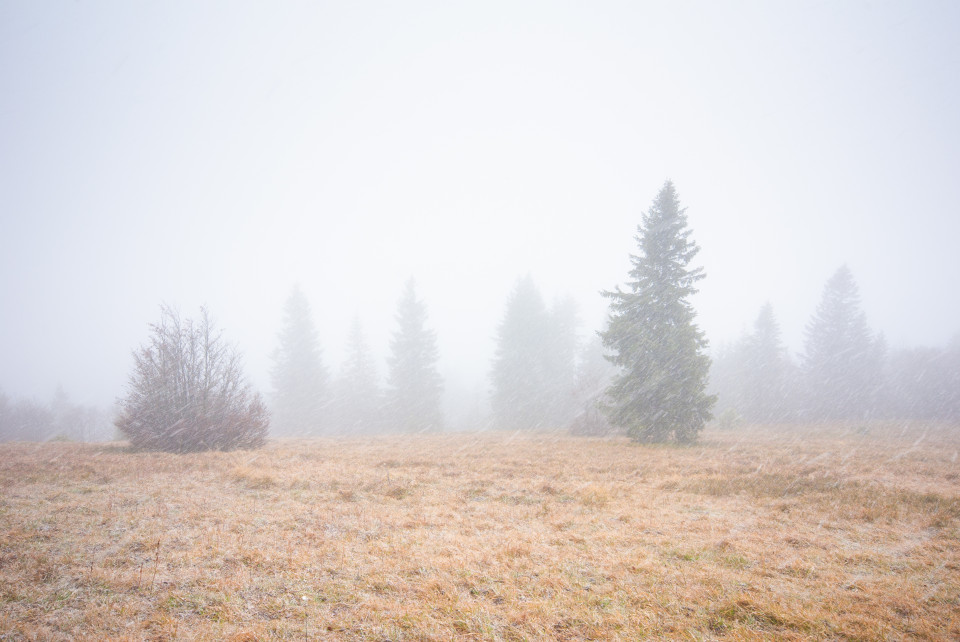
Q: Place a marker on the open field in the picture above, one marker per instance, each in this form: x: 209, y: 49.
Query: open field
x: 748, y: 535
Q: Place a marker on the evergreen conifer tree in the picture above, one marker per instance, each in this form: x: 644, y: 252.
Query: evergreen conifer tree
x: 561, y: 362
x: 765, y: 370
x: 414, y: 384
x: 842, y: 361
x: 298, y: 375
x: 594, y: 373
x: 358, y: 401
x: 659, y: 392
x: 519, y: 374
x: 534, y: 368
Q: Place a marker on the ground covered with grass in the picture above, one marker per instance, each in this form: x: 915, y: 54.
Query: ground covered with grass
x: 796, y: 533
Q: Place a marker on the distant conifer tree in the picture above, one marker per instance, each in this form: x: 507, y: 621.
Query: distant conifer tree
x: 563, y: 346
x: 519, y: 374
x: 414, y: 384
x: 534, y: 368
x: 766, y: 370
x: 594, y: 373
x: 358, y: 398
x: 659, y: 392
x: 298, y: 375
x: 842, y: 361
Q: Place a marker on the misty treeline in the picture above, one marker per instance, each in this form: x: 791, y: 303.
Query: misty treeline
x: 25, y: 419
x: 307, y: 401
x: 541, y: 376
x: 645, y: 374
x: 845, y: 371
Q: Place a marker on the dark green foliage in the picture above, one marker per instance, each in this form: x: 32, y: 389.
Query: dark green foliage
x: 298, y: 376
x: 188, y: 393
x: 415, y: 385
x: 659, y: 391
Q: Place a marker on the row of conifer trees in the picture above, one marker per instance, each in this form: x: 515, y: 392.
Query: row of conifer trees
x: 845, y: 371
x: 647, y: 376
x: 306, y: 401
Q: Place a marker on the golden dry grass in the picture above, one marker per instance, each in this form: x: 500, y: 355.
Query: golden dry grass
x: 806, y: 533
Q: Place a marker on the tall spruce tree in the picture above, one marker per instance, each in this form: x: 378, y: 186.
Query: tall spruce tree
x: 842, y: 361
x: 299, y: 378
x: 414, y: 384
x: 659, y: 392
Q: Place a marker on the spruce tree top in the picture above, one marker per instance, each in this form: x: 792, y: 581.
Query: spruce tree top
x: 664, y: 240
x: 838, y: 321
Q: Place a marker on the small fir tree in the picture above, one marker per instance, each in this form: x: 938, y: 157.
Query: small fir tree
x: 842, y: 361
x: 358, y: 401
x: 534, y: 368
x: 765, y: 372
x: 298, y: 376
x: 414, y: 384
x: 519, y: 374
x: 659, y: 392
x: 561, y: 356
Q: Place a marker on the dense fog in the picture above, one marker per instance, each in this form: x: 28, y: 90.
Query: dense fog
x: 432, y: 198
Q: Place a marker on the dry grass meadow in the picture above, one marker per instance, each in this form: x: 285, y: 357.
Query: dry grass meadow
x: 799, y: 534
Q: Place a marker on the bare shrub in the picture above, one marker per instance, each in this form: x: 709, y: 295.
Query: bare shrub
x: 188, y: 393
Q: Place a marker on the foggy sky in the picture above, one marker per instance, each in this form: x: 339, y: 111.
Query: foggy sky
x: 217, y: 153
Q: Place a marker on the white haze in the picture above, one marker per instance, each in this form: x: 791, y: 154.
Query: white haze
x: 217, y: 153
